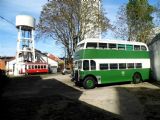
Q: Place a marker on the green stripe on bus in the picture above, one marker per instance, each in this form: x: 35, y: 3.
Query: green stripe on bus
x: 111, y: 54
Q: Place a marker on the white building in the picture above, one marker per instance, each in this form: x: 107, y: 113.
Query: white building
x: 40, y: 57
x: 154, y: 47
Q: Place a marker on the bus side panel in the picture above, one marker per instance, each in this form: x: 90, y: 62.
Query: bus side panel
x: 112, y: 76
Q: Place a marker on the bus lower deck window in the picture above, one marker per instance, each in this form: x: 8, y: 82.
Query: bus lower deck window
x: 130, y: 65
x: 103, y: 66
x: 138, y: 65
x: 122, y: 65
x: 114, y: 66
x: 93, y: 65
x: 85, y: 65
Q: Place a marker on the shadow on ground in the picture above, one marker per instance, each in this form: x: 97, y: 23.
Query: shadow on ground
x: 147, y: 105
x: 32, y: 98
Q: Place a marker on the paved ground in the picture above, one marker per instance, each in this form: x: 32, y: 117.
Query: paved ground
x: 56, y: 97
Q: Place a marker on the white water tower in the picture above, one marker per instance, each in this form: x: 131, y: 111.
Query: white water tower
x: 25, y: 43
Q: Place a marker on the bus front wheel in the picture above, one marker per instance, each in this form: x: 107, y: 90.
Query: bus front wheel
x: 137, y: 78
x: 89, y: 83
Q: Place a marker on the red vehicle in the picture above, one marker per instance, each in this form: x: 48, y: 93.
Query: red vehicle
x: 32, y: 68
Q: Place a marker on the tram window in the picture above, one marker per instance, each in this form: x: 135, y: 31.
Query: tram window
x: 138, y: 65
x: 85, y: 65
x: 113, y: 66
x: 102, y: 45
x: 35, y: 66
x: 32, y: 66
x: 103, y: 66
x: 112, y: 46
x: 29, y: 67
x: 122, y: 65
x: 136, y: 47
x: 93, y: 65
x: 143, y: 48
x: 39, y: 67
x: 130, y: 65
x: 44, y: 66
x: 91, y: 45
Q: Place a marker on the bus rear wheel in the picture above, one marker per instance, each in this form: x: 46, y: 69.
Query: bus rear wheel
x: 89, y: 83
x: 137, y: 78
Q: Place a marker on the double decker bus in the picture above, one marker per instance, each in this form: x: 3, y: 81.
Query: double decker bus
x: 110, y: 61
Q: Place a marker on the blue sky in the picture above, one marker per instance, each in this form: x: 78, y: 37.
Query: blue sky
x: 8, y: 33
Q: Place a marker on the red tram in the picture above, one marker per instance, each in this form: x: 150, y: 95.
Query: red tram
x: 33, y: 68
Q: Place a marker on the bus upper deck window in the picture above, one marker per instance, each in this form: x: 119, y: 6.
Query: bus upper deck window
x: 102, y: 45
x: 121, y: 46
x: 112, y: 46
x: 129, y: 47
x: 91, y: 45
x: 143, y: 48
x: 86, y: 65
x: 81, y: 46
x: 136, y: 47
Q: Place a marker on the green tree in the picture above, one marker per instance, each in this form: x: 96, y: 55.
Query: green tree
x: 120, y: 26
x: 139, y: 19
x: 65, y: 21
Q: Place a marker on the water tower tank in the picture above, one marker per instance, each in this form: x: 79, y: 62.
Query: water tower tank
x: 25, y: 21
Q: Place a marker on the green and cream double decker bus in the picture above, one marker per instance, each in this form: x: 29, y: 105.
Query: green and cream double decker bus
x: 110, y: 61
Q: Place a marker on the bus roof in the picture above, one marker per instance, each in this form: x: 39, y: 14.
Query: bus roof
x: 111, y: 41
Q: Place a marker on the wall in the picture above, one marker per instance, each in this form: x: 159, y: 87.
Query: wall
x: 154, y: 47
